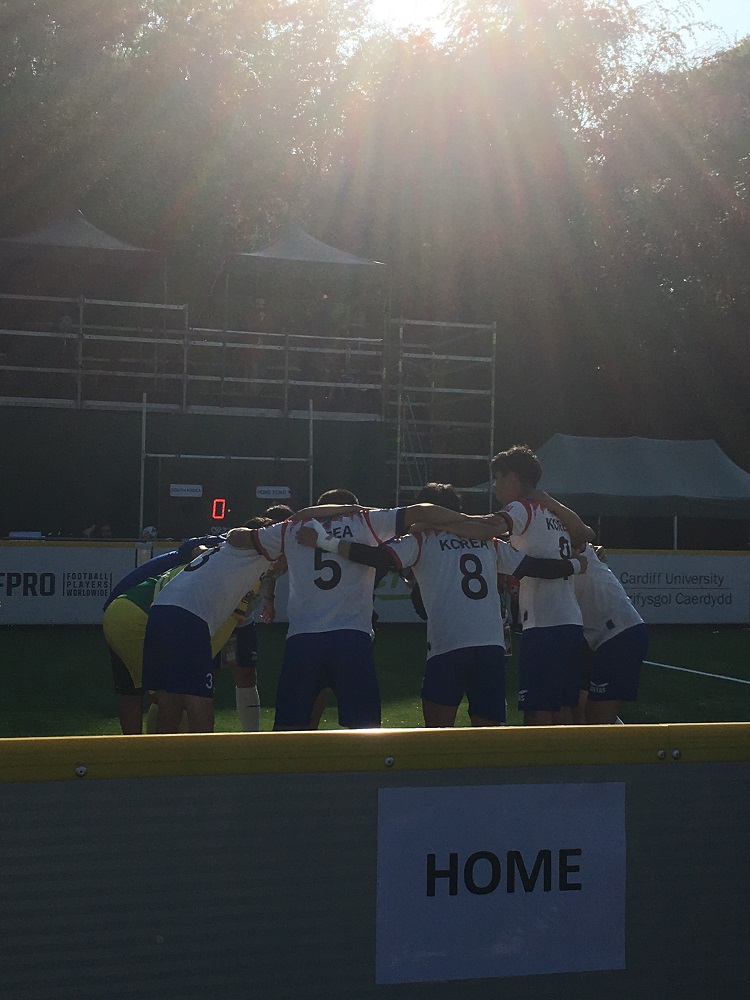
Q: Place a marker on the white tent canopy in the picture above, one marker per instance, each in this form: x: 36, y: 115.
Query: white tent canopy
x: 648, y: 477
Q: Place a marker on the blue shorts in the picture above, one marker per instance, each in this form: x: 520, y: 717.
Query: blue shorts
x: 177, y: 653
x: 341, y: 660
x: 616, y: 667
x: 247, y: 646
x: 477, y: 671
x: 549, y: 668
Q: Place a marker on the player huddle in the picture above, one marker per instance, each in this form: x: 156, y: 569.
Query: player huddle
x: 167, y: 622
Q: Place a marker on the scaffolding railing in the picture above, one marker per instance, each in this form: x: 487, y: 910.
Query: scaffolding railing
x: 433, y: 382
x: 95, y: 353
x: 443, y: 398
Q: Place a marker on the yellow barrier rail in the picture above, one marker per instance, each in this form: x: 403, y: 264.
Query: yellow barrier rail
x: 96, y: 757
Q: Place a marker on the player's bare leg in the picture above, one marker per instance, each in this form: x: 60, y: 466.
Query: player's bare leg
x: 579, y: 712
x: 478, y: 722
x: 131, y: 714
x: 563, y: 717
x: 318, y: 708
x: 438, y: 716
x: 541, y: 719
x: 200, y: 713
x: 172, y: 707
x: 169, y: 711
x: 152, y: 719
x: 602, y: 713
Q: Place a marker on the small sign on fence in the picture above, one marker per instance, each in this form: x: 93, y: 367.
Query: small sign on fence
x: 185, y: 490
x: 272, y: 492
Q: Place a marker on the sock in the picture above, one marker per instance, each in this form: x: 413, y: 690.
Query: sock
x: 248, y: 709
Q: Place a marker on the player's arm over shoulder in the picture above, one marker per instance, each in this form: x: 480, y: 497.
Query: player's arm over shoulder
x: 243, y: 538
x: 579, y: 531
x: 325, y: 511
x: 430, y: 515
x: 314, y: 535
x: 551, y: 569
x: 484, y: 527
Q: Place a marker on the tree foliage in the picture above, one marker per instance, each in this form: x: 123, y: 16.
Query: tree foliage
x: 557, y: 165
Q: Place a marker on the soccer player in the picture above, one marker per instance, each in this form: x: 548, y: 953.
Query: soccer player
x: 552, y: 637
x: 617, y: 636
x: 240, y: 654
x: 184, y: 619
x: 330, y: 610
x: 124, y: 626
x: 458, y: 581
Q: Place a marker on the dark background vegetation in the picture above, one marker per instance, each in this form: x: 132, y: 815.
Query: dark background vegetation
x: 559, y: 166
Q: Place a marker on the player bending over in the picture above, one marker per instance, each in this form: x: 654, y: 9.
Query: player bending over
x: 617, y: 638
x: 124, y: 626
x: 184, y: 620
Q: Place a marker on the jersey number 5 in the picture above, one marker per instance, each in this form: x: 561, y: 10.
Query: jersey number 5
x: 323, y: 564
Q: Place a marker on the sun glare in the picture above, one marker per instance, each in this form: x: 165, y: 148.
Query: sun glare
x: 403, y: 13
x: 729, y: 19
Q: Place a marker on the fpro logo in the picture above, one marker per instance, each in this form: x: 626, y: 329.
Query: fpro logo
x: 28, y: 584
x: 87, y: 583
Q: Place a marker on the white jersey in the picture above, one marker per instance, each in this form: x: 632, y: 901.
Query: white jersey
x: 605, y: 606
x: 536, y: 532
x: 326, y: 592
x: 458, y: 581
x: 214, y: 583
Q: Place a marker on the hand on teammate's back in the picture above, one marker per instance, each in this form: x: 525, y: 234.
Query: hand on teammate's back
x: 268, y: 613
x: 308, y: 536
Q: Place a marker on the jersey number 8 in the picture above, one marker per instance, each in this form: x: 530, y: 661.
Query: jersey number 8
x: 471, y: 573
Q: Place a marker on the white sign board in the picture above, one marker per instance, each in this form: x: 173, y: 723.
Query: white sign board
x: 49, y: 584
x: 674, y: 589
x: 272, y: 492
x: 486, y: 881
x: 185, y: 490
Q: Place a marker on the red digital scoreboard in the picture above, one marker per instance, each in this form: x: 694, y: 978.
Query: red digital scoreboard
x: 197, y: 496
x: 193, y: 509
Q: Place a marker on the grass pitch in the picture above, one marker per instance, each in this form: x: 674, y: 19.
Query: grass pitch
x: 58, y: 681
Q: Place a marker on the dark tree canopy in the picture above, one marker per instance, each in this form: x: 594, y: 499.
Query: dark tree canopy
x: 557, y: 165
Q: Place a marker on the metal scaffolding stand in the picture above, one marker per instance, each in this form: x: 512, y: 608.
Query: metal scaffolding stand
x: 78, y: 353
x: 442, y: 401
